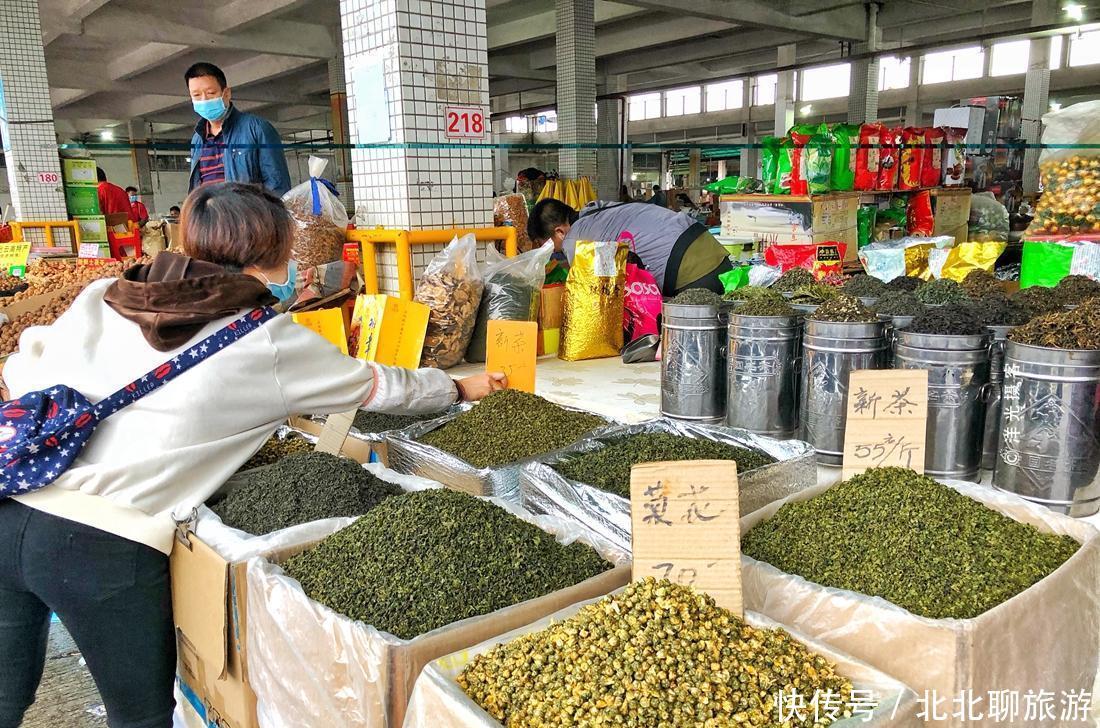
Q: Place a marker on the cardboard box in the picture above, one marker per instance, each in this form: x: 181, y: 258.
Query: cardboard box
x: 951, y: 210
x: 79, y: 172
x: 210, y: 609
x: 358, y: 450
x: 93, y: 229
x: 34, y: 302
x: 390, y: 330
x: 766, y: 220
x: 81, y: 201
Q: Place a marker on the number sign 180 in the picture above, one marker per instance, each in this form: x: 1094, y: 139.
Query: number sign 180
x: 465, y: 122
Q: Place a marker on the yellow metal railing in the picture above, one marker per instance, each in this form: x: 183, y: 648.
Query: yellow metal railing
x: 404, y: 240
x: 49, y: 226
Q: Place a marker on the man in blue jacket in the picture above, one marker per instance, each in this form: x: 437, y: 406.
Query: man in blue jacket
x: 231, y: 145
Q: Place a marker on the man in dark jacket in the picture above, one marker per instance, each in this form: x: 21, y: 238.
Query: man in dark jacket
x: 231, y: 145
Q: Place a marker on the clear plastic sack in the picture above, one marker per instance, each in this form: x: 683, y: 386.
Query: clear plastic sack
x: 512, y: 288
x: 988, y: 219
x: 1070, y: 203
x: 451, y: 288
x: 320, y: 218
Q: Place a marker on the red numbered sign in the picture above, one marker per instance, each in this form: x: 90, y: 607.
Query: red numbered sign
x: 49, y: 178
x: 465, y: 122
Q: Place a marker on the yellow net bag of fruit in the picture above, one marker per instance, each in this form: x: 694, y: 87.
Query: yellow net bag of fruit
x: 1070, y: 203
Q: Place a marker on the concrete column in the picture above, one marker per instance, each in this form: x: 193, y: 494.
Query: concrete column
x: 501, y: 170
x: 695, y: 159
x: 608, y: 131
x: 863, y: 88
x: 1036, y: 92
x: 750, y: 156
x: 26, y: 119
x: 338, y: 103
x: 576, y: 70
x: 143, y: 165
x: 784, y: 90
x: 664, y: 178
x: 912, y: 106
x: 722, y: 173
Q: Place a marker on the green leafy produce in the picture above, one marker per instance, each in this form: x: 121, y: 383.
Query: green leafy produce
x: 697, y: 297
x: 1077, y: 289
x: 761, y: 306
x: 609, y: 467
x: 301, y: 488
x: 794, y: 279
x: 427, y: 559
x: 899, y: 303
x: 814, y: 293
x: 844, y: 308
x: 658, y: 654
x: 752, y: 293
x: 277, y: 448
x: 904, y: 537
x: 1076, y: 329
x: 942, y: 290
x: 904, y: 283
x: 372, y: 422
x: 864, y: 286
x: 508, y: 426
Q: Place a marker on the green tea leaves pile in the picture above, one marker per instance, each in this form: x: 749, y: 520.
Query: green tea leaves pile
x: 942, y: 290
x: 1039, y: 300
x: 697, y: 297
x: 609, y: 467
x: 864, y: 286
x: 277, y: 448
x: 1076, y: 329
x: 846, y: 309
x: 508, y: 426
x: 904, y: 537
x: 761, y: 306
x: 998, y: 310
x: 301, y: 488
x: 372, y: 422
x: 424, y: 560
x: 899, y: 303
x: 658, y: 654
x: 793, y: 279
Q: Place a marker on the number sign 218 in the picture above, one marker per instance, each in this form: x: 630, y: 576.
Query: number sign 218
x: 465, y: 122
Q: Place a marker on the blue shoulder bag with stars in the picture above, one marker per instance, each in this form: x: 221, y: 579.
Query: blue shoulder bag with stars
x: 41, y: 433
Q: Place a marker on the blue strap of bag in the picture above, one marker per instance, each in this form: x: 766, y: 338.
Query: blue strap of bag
x: 176, y: 366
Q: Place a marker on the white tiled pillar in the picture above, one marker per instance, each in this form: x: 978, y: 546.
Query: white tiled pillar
x: 784, y: 90
x: 1036, y: 92
x: 863, y: 88
x: 415, y: 59
x: 338, y: 102
x: 608, y: 131
x: 26, y: 118
x: 576, y: 68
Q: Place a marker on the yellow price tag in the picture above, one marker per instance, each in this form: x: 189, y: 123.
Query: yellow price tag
x: 13, y: 257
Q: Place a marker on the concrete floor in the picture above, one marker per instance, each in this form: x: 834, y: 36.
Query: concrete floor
x: 67, y: 697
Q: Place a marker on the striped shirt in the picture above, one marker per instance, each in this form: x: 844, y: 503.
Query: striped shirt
x: 211, y: 158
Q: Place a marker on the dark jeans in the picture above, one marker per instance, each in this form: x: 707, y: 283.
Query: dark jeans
x: 114, y: 597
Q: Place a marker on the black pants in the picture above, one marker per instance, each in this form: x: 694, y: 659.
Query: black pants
x: 114, y: 597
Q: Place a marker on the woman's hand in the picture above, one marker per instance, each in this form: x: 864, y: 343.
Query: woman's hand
x: 471, y: 389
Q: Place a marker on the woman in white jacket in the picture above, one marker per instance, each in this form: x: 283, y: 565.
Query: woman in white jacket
x: 93, y: 546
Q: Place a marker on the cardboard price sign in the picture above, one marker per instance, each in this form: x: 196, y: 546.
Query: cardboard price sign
x: 887, y: 419
x: 512, y: 348
x: 13, y: 257
x: 329, y: 323
x: 685, y: 526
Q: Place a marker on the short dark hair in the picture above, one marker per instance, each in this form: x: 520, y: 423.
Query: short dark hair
x: 175, y: 209
x: 100, y: 174
x: 656, y: 188
x: 131, y: 188
x: 546, y: 216
x: 200, y: 69
x: 236, y: 224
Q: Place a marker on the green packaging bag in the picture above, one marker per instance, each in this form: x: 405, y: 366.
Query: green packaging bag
x: 769, y: 161
x: 845, y: 139
x: 1045, y: 263
x: 782, y: 184
x: 817, y: 159
x: 865, y: 222
x: 734, y: 279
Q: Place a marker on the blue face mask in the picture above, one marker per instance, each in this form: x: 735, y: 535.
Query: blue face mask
x: 284, y: 291
x: 210, y: 109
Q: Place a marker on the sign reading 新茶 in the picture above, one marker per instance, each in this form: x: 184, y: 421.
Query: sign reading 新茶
x: 328, y: 322
x: 13, y: 258
x: 887, y: 420
x: 512, y: 348
x: 685, y: 526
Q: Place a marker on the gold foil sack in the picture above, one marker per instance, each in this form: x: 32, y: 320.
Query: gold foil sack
x: 916, y: 261
x: 592, y: 319
x: 971, y: 256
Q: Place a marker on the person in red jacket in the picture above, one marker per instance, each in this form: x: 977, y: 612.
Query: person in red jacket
x: 141, y: 212
x: 113, y: 199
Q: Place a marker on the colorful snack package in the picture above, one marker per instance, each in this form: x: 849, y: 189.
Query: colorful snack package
x: 868, y: 156
x: 911, y: 158
x: 889, y: 159
x: 954, y: 157
x: 845, y: 141
x: 769, y: 161
x: 822, y: 260
x: 800, y: 136
x: 932, y: 171
x: 919, y: 220
x: 817, y: 162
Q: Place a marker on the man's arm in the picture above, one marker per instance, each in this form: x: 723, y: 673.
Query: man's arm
x: 276, y: 175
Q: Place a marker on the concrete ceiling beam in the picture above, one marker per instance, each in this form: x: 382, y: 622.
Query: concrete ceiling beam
x: 848, y: 22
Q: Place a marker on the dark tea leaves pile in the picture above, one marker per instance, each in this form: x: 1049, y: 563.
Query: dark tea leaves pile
x: 372, y: 422
x: 427, y: 559
x: 697, y: 297
x: 1076, y: 329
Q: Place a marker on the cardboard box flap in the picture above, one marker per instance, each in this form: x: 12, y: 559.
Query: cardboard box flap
x: 200, y: 591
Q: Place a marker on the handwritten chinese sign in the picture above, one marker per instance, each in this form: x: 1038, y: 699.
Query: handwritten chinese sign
x: 686, y: 528
x: 512, y: 347
x: 887, y: 419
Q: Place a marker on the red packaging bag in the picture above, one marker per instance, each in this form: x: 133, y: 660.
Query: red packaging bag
x: 918, y: 215
x: 888, y: 160
x: 641, y: 303
x: 823, y: 260
x: 911, y: 158
x: 799, y: 183
x: 931, y: 171
x: 867, y: 156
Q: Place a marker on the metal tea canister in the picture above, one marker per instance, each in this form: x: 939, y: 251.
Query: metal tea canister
x: 831, y: 350
x: 764, y: 362
x: 958, y: 378
x: 693, y: 362
x: 1048, y: 451
x: 993, y: 400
